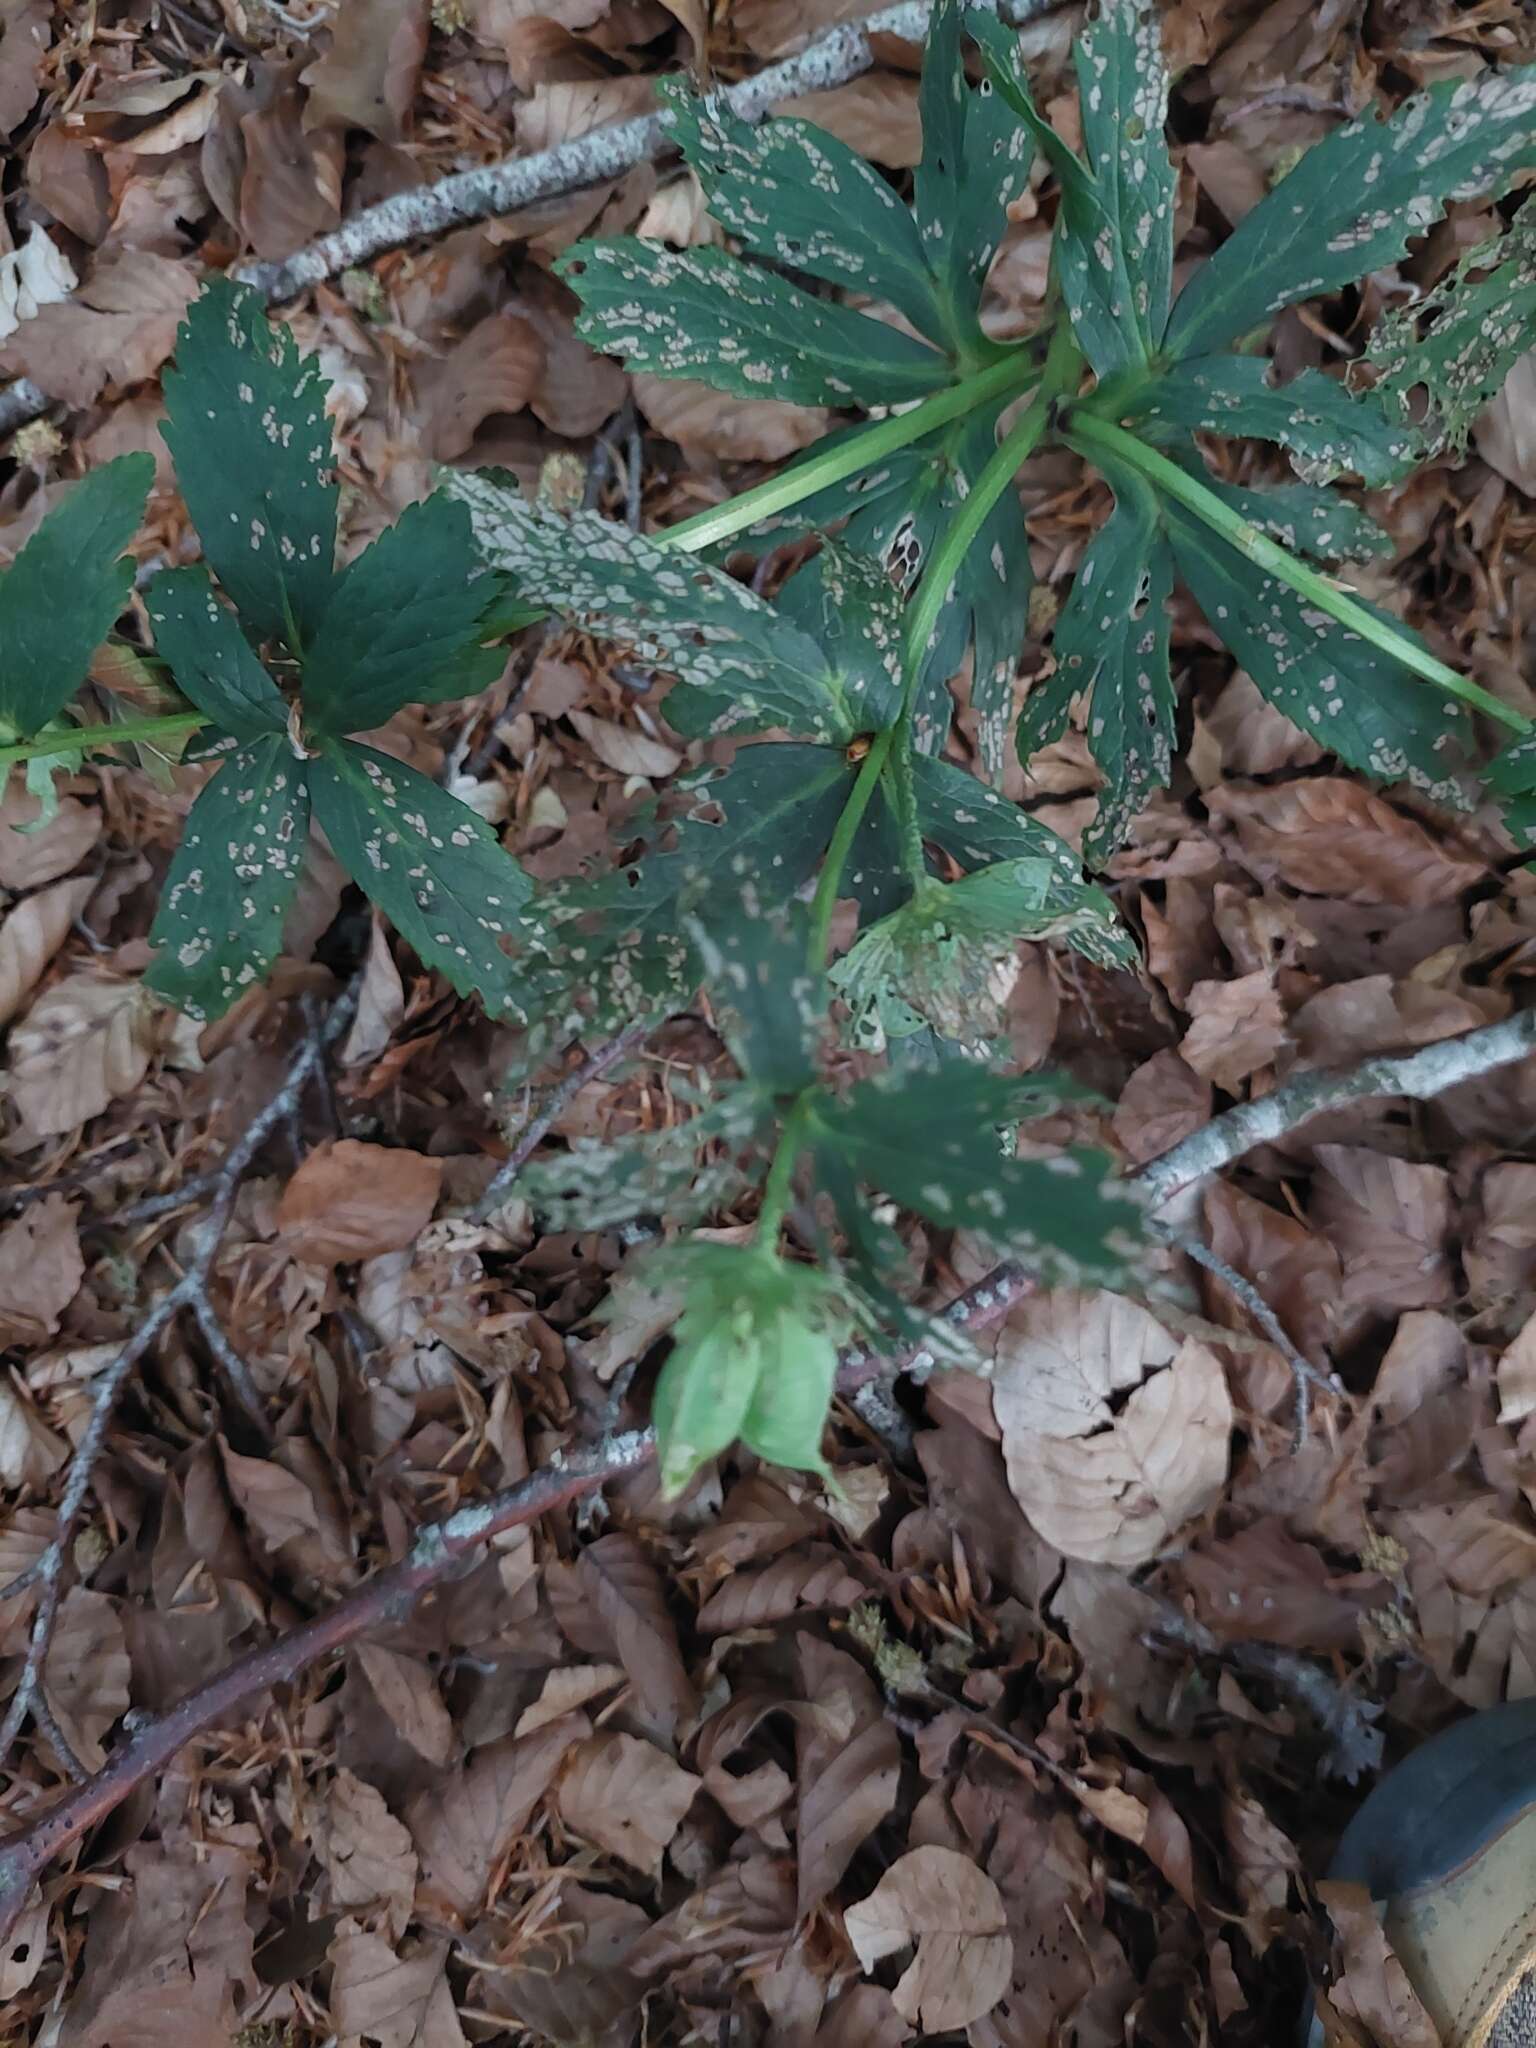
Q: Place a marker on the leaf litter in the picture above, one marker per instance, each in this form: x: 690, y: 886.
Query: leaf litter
x: 1054, y: 1733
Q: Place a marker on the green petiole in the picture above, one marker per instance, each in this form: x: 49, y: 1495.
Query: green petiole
x: 90, y: 738
x: 776, y: 1189
x: 1086, y: 432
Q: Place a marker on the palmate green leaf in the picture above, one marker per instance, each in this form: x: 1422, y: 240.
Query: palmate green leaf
x: 62, y: 595
x: 754, y: 1356
x: 896, y: 513
x: 873, y: 1265
x: 402, y: 625
x: 1512, y: 775
x: 916, y: 1137
x: 246, y: 427
x: 220, y: 922
x: 436, y: 870
x: 626, y: 942
x: 1356, y: 199
x: 1327, y: 431
x: 1306, y: 520
x: 747, y: 665
x: 1111, y: 644
x: 1349, y: 696
x: 703, y: 313
x: 790, y: 192
x: 975, y: 160
x: 1442, y: 358
x: 210, y: 657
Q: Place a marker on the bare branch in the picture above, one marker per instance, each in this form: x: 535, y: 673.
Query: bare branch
x: 538, y: 1127
x: 1417, y: 1075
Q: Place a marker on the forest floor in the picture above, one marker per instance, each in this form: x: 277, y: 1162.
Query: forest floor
x: 623, y: 1779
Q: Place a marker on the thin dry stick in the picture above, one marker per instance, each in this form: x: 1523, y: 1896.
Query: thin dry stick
x: 190, y: 1292
x: 561, y: 1096
x: 383, y: 1596
x: 1417, y: 1075
x: 1304, y: 1374
x: 517, y: 182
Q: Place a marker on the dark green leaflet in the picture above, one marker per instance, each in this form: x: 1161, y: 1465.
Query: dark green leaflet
x: 1328, y: 432
x: 685, y: 1173
x: 435, y: 869
x: 1301, y: 517
x: 772, y: 1005
x: 402, y: 624
x: 220, y: 921
x: 246, y: 424
x: 703, y: 313
x: 210, y: 656
x: 1355, y: 201
x: 1123, y: 96
x: 1512, y: 775
x: 62, y: 595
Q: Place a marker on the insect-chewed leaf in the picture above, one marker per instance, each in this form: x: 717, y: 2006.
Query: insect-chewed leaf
x: 975, y: 160
x: 920, y: 1138
x: 1441, y: 359
x: 847, y: 605
x: 1356, y: 199
x: 1349, y: 696
x: 436, y: 870
x: 623, y: 943
x: 402, y: 625
x: 246, y: 425
x: 897, y: 513
x: 1092, y: 262
x: 793, y: 193
x: 754, y: 1354
x: 62, y: 594
x: 703, y: 313
x: 745, y: 664
x: 874, y: 1264
x: 686, y: 1173
x: 1123, y: 93
x: 220, y: 921
x: 1328, y: 432
x: 1111, y: 642
x: 774, y: 1003
x: 210, y: 657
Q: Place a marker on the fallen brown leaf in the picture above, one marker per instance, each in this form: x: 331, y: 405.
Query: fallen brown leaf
x: 368, y: 75
x: 32, y: 853
x: 1238, y: 1027
x: 83, y: 1043
x: 1332, y: 837
x: 366, y: 1853
x: 354, y: 1201
x: 41, y: 1268
x: 32, y: 932
x: 398, y: 1999
x: 408, y: 1693
x: 938, y: 1899
x: 625, y: 1797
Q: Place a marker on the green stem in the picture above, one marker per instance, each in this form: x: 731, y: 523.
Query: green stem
x: 1087, y: 433
x: 776, y: 1189
x: 868, y: 445
x: 840, y: 843
x: 89, y: 738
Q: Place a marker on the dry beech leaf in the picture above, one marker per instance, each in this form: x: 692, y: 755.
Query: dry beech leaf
x: 1163, y: 1102
x: 366, y: 1853
x: 399, y: 2000
x: 380, y: 1001
x: 82, y: 1044
x: 32, y: 933
x: 700, y: 421
x: 625, y: 750
x: 30, y: 1452
x: 31, y: 854
x: 408, y: 1693
x: 1237, y: 1027
x: 121, y: 324
x: 464, y: 1824
x: 1388, y: 1219
x: 1372, y: 1986
x: 876, y: 115
x: 570, y: 1686
x: 815, y: 1576
x: 41, y: 1268
x: 496, y: 368
x: 625, y: 1797
x: 368, y: 76
x: 1107, y: 1482
x: 1517, y: 1376
x: 1294, y: 1268
x: 86, y: 1674
x: 954, y: 1912
x: 1332, y: 837
x: 613, y: 1605
x: 353, y: 1201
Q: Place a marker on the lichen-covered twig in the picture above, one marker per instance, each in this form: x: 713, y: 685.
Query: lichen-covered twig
x: 47, y: 1572
x: 1305, y: 1375
x: 1417, y: 1075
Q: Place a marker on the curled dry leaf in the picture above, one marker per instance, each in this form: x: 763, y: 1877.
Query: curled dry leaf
x: 465, y: 1823
x: 408, y: 1693
x: 31, y: 854
x: 1388, y: 1219
x: 954, y: 1912
x: 731, y: 429
x: 81, y: 1045
x: 625, y: 1797
x: 625, y: 750
x: 1105, y: 1482
x: 571, y: 1686
x: 496, y: 368
x: 1371, y: 1986
x: 1332, y: 837
x: 354, y: 1201
x: 365, y: 1852
x: 86, y: 1674
x: 398, y: 1999
x: 121, y: 324
x: 368, y: 76
x: 1164, y: 1102
x: 29, y: 1450
x: 1517, y: 1376
x: 32, y: 933
x: 1237, y: 1028
x: 380, y: 1001
x: 40, y: 1270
